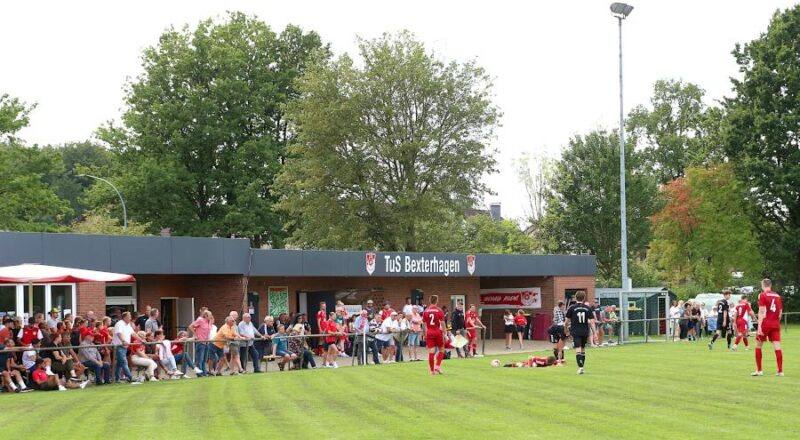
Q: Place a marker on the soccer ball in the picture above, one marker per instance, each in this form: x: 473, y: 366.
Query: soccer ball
x: 496, y: 363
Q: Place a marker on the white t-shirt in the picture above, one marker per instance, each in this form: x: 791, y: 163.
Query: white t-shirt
x: 674, y: 312
x: 122, y: 333
x: 385, y: 334
x: 165, y: 349
x: 212, y: 333
x: 29, y: 358
x: 407, y: 309
x: 508, y: 319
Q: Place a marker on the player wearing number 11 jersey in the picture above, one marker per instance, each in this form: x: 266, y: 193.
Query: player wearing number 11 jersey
x: 770, y: 307
x: 435, y: 331
x: 580, y: 320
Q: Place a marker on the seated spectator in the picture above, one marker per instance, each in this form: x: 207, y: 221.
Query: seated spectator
x: 29, y: 333
x: 66, y: 349
x: 43, y: 381
x: 7, y: 331
x: 60, y: 363
x: 140, y: 358
x: 164, y: 351
x: 264, y: 344
x: 7, y: 373
x: 13, y: 365
x: 29, y: 356
x: 280, y: 348
x: 102, y: 336
x: 91, y: 358
x: 181, y: 356
x: 297, y: 347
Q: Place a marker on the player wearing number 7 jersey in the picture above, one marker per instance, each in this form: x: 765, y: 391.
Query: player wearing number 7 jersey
x: 435, y: 330
x: 770, y: 307
x: 580, y: 321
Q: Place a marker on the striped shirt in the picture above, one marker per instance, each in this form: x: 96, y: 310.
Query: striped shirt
x: 558, y: 316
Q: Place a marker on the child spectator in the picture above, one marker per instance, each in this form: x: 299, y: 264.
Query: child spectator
x: 164, y: 349
x: 181, y: 356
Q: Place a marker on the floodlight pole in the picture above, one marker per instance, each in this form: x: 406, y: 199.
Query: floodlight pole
x: 121, y: 200
x: 622, y: 204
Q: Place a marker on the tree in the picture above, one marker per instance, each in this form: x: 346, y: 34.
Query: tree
x: 13, y: 116
x: 482, y: 234
x: 676, y: 132
x: 763, y: 142
x: 583, y: 204
x: 100, y: 222
x: 534, y: 172
x: 388, y: 151
x: 704, y: 232
x: 204, y: 130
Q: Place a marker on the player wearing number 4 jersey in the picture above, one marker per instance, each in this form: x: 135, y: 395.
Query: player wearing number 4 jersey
x: 580, y: 321
x: 435, y: 330
x: 770, y: 307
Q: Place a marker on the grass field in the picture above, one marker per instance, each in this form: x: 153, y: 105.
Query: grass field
x: 659, y: 390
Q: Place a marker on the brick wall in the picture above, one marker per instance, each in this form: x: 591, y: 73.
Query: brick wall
x: 220, y: 293
x: 91, y: 297
x: 494, y: 318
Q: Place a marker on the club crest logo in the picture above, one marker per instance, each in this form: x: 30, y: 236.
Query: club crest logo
x: 371, y: 262
x: 471, y: 264
x: 528, y: 298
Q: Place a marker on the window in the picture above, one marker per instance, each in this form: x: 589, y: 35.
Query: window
x: 39, y: 305
x: 8, y: 299
x: 120, y: 298
x: 61, y: 299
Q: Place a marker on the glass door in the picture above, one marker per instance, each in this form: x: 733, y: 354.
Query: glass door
x: 39, y: 305
x: 8, y: 299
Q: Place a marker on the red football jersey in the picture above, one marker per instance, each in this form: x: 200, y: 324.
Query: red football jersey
x: 321, y: 319
x: 774, y: 305
x: 433, y: 318
x: 472, y: 319
x: 742, y: 310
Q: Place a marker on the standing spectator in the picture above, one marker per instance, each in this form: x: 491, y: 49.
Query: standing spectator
x: 152, y: 325
x: 508, y: 327
x: 140, y: 358
x: 322, y: 325
x: 123, y: 333
x: 674, y: 320
x: 229, y: 333
x: 342, y: 329
x: 459, y: 324
x: 408, y: 307
x: 400, y: 336
x: 216, y: 350
x: 521, y: 323
x: 413, y: 335
x: 164, y: 349
x: 200, y: 328
x: 389, y: 327
x: 558, y: 334
x: 52, y: 318
x: 249, y: 332
x: 370, y: 308
x: 264, y: 345
x: 91, y: 359
x: 331, y: 331
x: 142, y: 318
x: 598, y: 334
x: 387, y: 310
x: 610, y: 322
x: 473, y: 324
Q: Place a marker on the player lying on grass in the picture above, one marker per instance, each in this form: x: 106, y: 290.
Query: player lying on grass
x: 537, y: 362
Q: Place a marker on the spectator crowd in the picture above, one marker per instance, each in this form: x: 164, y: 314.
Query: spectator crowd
x: 57, y: 352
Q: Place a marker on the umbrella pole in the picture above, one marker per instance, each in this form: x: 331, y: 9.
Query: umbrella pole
x: 30, y: 299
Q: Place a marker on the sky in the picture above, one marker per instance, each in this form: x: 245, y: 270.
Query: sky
x: 554, y: 64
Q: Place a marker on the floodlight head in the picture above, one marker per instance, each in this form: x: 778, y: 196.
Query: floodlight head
x: 621, y: 10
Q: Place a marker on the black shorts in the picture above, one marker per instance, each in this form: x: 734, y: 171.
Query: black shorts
x: 579, y: 340
x: 521, y: 328
x: 556, y: 333
x: 509, y: 329
x: 723, y: 328
x: 326, y: 345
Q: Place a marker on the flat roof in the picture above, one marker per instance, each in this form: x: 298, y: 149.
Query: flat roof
x: 233, y: 256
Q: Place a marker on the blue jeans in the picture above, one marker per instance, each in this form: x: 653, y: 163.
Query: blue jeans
x: 308, y: 358
x: 216, y: 354
x: 201, y: 356
x: 254, y: 355
x: 100, y: 371
x: 122, y: 363
x: 179, y: 359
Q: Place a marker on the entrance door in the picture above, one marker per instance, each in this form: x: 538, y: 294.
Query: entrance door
x: 312, y: 305
x: 169, y: 311
x: 185, y: 315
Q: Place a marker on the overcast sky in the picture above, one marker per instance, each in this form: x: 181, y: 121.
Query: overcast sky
x: 554, y: 63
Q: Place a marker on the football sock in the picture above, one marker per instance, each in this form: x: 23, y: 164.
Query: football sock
x: 745, y: 342
x: 738, y: 340
x: 430, y: 360
x: 758, y: 358
x: 555, y: 353
x: 439, y: 357
x: 729, y: 340
x: 714, y: 338
x: 580, y: 358
x: 779, y: 358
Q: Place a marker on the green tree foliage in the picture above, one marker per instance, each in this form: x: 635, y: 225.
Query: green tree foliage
x: 101, y: 222
x: 204, y: 130
x: 762, y: 138
x: 704, y: 232
x: 13, y: 116
x: 389, y: 151
x: 482, y: 234
x: 678, y: 130
x: 583, y: 204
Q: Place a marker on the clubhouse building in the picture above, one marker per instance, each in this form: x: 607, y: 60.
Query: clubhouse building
x: 178, y: 275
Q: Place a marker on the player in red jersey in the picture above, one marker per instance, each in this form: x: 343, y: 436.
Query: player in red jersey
x: 435, y: 329
x: 770, y: 308
x: 322, y: 327
x: 742, y: 310
x: 473, y: 323
x: 537, y: 362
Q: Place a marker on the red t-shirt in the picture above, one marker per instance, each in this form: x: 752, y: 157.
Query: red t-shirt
x: 176, y: 348
x: 39, y: 376
x: 134, y: 346
x: 331, y: 327
x: 520, y: 321
x: 29, y: 334
x: 472, y: 320
x: 774, y: 305
x: 321, y: 320
x: 385, y: 313
x: 742, y: 309
x: 5, y: 333
x: 433, y: 318
x: 85, y: 331
x: 103, y: 336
